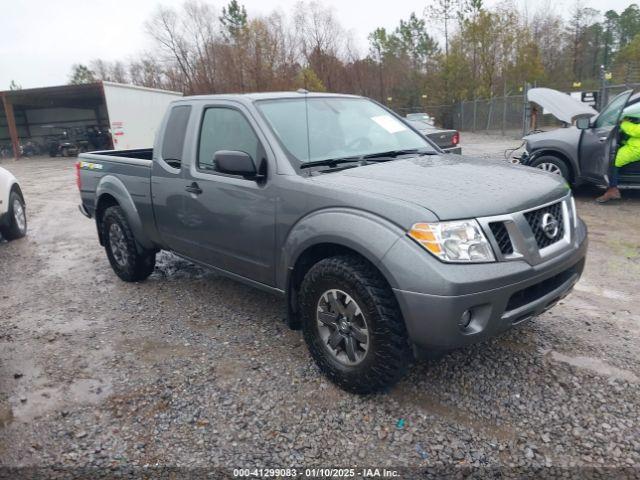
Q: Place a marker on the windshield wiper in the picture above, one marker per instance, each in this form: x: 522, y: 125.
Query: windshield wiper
x: 331, y: 162
x: 396, y: 153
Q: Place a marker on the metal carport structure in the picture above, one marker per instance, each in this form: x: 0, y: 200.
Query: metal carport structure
x: 130, y: 113
x: 27, y: 111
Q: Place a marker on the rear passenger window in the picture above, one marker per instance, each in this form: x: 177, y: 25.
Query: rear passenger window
x: 174, y: 134
x: 225, y: 129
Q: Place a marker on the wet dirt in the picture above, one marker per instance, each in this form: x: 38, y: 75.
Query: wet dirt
x: 165, y: 362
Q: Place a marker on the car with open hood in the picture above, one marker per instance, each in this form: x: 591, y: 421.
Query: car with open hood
x: 583, y: 151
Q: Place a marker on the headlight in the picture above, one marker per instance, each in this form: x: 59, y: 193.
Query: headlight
x: 459, y: 241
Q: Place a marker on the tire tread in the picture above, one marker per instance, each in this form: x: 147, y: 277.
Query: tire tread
x: 10, y: 231
x: 393, y: 357
x: 141, y: 265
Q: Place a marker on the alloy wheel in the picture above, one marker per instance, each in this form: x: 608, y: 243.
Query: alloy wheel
x: 118, y: 244
x: 550, y: 167
x: 19, y: 215
x: 342, y: 326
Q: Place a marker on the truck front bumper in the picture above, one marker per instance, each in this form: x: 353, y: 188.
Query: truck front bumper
x: 434, y: 321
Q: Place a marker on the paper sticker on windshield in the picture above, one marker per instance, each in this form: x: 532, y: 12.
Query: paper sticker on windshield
x: 389, y: 123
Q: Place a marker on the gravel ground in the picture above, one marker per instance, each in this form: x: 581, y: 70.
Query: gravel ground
x: 189, y: 369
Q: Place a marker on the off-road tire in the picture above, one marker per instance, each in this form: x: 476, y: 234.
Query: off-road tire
x: 138, y: 265
x: 11, y: 230
x: 389, y: 353
x: 560, y: 164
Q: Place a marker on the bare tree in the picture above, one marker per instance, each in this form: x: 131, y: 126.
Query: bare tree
x: 168, y: 30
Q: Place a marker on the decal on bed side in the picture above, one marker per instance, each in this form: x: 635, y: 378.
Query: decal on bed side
x: 91, y: 165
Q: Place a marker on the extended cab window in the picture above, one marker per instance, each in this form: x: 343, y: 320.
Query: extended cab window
x: 174, y: 134
x: 225, y: 129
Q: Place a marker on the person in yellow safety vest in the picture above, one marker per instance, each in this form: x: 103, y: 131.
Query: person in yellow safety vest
x: 628, y: 152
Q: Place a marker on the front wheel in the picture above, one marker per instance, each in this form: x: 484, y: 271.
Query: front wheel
x: 16, y: 226
x: 353, y: 326
x: 127, y: 262
x: 552, y: 164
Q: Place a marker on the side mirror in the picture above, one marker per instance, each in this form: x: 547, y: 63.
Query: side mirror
x: 583, y: 123
x: 235, y: 163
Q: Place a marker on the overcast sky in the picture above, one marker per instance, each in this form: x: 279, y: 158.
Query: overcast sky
x: 41, y: 39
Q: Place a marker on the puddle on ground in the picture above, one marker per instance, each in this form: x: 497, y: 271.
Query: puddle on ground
x: 6, y: 415
x: 593, y: 365
x: 41, y: 401
x: 424, y: 401
x: 169, y: 265
x: 153, y: 351
x: 603, y: 292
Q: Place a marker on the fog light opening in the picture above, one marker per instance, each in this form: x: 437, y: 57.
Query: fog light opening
x: 465, y: 320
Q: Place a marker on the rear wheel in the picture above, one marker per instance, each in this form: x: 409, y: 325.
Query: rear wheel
x: 552, y: 164
x: 16, y: 226
x: 127, y: 262
x: 353, y: 326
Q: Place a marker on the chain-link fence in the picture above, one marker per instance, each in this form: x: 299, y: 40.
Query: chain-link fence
x: 510, y: 115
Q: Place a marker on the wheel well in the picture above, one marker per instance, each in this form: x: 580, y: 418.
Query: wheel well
x: 559, y: 156
x: 304, y: 262
x: 105, y: 201
x: 16, y: 188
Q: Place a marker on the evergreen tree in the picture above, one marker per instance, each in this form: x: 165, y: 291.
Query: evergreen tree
x: 81, y: 74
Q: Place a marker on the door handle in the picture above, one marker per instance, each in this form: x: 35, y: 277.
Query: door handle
x: 194, y: 188
x: 602, y: 139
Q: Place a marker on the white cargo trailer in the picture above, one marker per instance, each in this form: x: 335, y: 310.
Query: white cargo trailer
x: 135, y: 113
x: 36, y: 116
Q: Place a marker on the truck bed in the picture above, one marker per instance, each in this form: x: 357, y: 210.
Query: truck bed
x: 131, y: 167
x: 136, y: 154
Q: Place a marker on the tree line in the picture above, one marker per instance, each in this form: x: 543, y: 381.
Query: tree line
x: 454, y: 50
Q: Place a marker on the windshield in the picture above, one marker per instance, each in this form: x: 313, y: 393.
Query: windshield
x: 610, y: 115
x: 321, y: 128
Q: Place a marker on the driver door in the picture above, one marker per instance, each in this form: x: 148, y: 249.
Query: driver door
x: 599, y: 141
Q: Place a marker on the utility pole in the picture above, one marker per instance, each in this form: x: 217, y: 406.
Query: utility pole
x: 475, y: 111
x: 602, y: 99
x: 525, y: 110
x: 504, y: 107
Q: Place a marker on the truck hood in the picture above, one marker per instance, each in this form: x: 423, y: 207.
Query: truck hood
x: 453, y: 186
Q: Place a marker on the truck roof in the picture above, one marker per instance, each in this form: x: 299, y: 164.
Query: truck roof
x: 251, y: 97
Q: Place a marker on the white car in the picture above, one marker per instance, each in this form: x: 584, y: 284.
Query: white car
x: 13, y: 213
x: 420, y: 117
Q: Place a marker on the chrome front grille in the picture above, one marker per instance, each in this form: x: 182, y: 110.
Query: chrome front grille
x: 533, y: 235
x: 538, y: 221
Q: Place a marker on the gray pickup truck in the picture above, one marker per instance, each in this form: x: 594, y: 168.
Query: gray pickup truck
x: 383, y: 247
